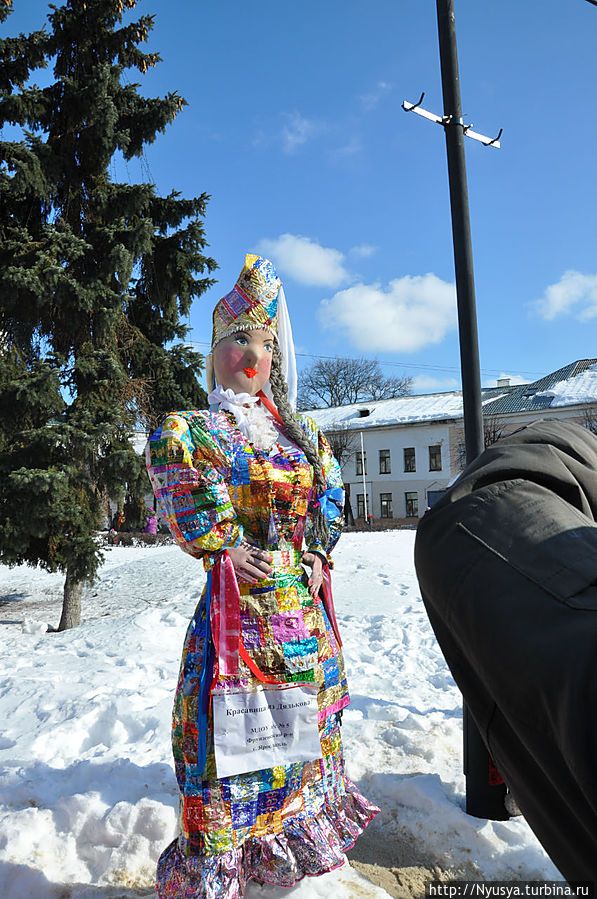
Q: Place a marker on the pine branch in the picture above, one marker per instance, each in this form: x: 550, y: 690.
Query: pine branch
x: 5, y: 9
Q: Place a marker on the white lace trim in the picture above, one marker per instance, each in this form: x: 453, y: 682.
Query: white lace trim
x: 252, y: 419
x: 261, y: 430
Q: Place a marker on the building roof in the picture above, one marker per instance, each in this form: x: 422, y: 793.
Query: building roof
x: 401, y: 410
x: 573, y: 384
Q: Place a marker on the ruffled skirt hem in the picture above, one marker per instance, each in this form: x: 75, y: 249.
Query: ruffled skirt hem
x: 309, y: 845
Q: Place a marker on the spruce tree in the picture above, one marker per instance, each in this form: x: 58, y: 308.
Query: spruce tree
x: 96, y: 278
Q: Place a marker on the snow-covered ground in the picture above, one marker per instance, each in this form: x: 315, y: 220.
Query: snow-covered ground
x: 87, y: 791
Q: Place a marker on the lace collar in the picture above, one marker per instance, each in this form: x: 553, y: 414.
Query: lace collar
x: 252, y: 419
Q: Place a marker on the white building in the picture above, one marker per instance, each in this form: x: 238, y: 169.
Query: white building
x: 406, y: 444
x: 414, y: 445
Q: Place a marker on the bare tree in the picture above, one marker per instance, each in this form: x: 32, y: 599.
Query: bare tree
x: 343, y: 441
x: 340, y: 381
x: 493, y: 429
x: 590, y: 419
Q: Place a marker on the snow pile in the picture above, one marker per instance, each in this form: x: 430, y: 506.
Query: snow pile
x: 87, y: 790
x: 579, y: 389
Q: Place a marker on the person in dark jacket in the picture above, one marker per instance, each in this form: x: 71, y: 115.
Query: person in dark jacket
x: 507, y: 565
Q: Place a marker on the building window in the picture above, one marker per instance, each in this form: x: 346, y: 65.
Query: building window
x: 386, y: 505
x: 409, y: 459
x: 360, y: 462
x: 361, y: 506
x: 461, y: 456
x: 412, y: 505
x: 384, y: 462
x: 435, y: 458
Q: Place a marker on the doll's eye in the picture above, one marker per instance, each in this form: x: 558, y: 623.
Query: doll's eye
x: 269, y: 347
x: 242, y: 340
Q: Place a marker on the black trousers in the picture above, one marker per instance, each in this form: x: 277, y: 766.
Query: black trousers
x: 507, y: 565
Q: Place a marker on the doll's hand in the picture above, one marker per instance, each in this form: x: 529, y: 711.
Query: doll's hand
x: 251, y: 564
x: 315, y: 563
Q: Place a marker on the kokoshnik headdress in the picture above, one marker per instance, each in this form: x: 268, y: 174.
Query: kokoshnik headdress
x: 257, y: 300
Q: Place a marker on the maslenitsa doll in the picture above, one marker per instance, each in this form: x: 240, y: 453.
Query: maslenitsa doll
x: 252, y: 489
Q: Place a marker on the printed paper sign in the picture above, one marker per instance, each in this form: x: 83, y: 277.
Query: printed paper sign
x: 276, y: 726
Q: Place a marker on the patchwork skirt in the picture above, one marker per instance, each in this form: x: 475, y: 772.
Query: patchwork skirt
x: 278, y: 824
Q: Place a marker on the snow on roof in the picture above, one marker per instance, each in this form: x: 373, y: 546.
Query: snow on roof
x: 401, y: 410
x: 578, y: 389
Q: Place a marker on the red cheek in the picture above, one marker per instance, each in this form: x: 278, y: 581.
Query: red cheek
x: 232, y: 357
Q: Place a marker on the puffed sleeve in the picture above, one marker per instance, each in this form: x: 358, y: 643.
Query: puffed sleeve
x: 331, y: 500
x: 182, y: 462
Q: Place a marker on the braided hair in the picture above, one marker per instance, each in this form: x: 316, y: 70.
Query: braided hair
x: 302, y: 440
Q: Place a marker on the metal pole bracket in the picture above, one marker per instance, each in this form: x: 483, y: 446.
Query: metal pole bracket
x: 451, y: 120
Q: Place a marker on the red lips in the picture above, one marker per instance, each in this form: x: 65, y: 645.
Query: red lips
x: 250, y: 372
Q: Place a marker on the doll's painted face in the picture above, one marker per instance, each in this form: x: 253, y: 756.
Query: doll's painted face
x: 243, y: 360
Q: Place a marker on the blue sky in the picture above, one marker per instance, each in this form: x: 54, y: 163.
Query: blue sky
x: 295, y: 129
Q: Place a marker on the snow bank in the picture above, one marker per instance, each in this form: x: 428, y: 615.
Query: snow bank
x: 88, y: 796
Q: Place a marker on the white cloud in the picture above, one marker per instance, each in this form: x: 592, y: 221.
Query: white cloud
x: 428, y: 384
x: 363, y: 250
x: 297, y: 131
x: 411, y: 313
x: 351, y: 148
x: 305, y: 260
x: 574, y: 294
x: 514, y: 380
x: 370, y: 100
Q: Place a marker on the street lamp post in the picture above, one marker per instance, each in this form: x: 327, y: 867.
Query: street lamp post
x: 483, y: 798
x: 484, y: 791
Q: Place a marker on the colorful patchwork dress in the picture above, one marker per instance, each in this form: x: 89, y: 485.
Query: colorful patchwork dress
x: 282, y: 823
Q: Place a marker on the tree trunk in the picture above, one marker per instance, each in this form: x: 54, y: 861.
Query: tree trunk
x: 348, y: 516
x: 71, y: 604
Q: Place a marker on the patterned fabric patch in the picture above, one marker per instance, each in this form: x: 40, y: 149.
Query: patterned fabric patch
x: 331, y: 672
x: 232, y: 305
x: 289, y: 627
x: 301, y: 648
x: 288, y: 599
x: 252, y: 634
x: 243, y: 814
x: 300, y: 656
